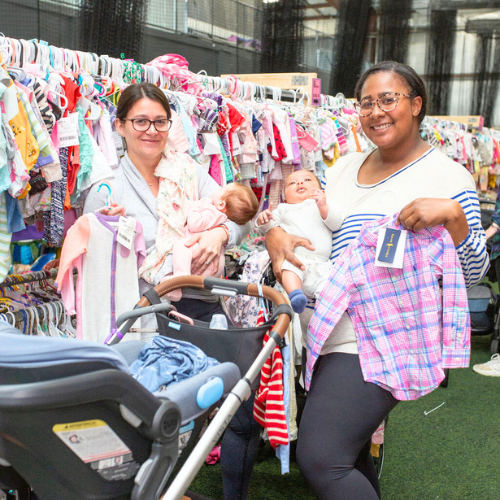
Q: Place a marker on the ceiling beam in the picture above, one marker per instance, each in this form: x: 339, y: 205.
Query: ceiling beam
x: 315, y: 6
x: 319, y: 18
x: 333, y: 3
x: 465, y: 5
x: 485, y: 26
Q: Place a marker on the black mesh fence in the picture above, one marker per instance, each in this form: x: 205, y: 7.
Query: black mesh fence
x: 440, y: 59
x: 216, y: 35
x: 56, y: 22
x: 233, y: 21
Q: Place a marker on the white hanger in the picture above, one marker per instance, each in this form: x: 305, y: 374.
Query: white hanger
x: 63, y: 101
x: 5, y: 49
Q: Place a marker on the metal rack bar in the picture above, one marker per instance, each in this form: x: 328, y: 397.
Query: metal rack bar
x: 18, y: 279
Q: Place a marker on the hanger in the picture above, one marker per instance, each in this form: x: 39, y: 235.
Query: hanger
x: 18, y: 73
x: 95, y: 110
x: 110, y: 195
x: 63, y: 101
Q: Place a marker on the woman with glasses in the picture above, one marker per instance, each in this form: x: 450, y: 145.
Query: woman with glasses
x: 143, y: 119
x: 402, y: 175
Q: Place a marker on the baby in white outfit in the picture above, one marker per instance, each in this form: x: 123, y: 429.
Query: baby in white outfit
x: 305, y: 213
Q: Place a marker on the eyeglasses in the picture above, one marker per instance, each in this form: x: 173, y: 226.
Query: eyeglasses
x: 143, y: 124
x: 386, y: 103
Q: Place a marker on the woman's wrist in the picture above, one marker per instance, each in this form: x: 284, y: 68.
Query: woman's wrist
x: 456, y: 223
x: 225, y: 230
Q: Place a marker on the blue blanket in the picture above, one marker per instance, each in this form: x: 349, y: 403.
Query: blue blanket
x: 164, y: 361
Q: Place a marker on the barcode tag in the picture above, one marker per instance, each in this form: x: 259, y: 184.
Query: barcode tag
x: 67, y: 130
x: 126, y: 231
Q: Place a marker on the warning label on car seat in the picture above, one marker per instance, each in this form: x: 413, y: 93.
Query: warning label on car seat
x: 96, y: 444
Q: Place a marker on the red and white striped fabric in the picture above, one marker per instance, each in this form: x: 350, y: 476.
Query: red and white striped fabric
x: 269, y: 408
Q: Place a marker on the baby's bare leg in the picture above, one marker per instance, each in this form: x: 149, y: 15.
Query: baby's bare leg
x: 293, y: 287
x: 290, y: 281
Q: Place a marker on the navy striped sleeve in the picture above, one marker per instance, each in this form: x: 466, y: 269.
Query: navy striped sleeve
x: 472, y: 251
x: 349, y: 231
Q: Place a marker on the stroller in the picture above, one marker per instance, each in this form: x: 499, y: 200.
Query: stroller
x: 75, y: 425
x: 484, y: 304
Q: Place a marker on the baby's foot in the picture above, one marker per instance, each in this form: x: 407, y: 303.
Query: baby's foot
x: 298, y: 300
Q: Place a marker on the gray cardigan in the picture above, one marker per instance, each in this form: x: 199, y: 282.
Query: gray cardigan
x: 131, y: 190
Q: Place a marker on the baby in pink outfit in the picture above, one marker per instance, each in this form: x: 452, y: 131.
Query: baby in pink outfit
x: 235, y: 202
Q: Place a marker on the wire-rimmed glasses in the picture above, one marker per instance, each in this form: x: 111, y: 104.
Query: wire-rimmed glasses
x: 388, y: 102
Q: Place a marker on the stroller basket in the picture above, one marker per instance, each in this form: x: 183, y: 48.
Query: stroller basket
x: 236, y: 345
x: 482, y: 302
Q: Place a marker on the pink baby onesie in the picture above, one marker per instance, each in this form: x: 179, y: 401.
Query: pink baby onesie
x: 202, y: 216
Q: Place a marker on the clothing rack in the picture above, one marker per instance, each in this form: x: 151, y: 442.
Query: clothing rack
x: 49, y: 313
x: 20, y: 52
x: 20, y: 316
x: 474, y: 122
x: 33, y: 277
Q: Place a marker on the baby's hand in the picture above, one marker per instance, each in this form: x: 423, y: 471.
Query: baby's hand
x: 319, y: 197
x: 265, y: 216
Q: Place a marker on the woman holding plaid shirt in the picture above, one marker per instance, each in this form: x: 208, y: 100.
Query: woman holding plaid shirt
x: 404, y: 176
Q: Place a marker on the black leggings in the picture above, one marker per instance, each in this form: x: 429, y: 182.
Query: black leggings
x: 342, y: 412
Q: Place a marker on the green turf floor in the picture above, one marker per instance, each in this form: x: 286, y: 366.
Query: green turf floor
x: 452, y: 453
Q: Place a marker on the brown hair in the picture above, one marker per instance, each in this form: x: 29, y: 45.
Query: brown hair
x: 241, y: 205
x: 136, y: 92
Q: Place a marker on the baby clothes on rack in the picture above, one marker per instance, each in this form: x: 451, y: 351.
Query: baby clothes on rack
x: 30, y: 303
x: 107, y: 284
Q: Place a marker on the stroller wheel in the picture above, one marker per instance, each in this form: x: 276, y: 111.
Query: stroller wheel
x: 378, y: 457
x: 495, y: 346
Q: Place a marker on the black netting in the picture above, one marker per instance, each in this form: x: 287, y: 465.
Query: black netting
x: 394, y: 30
x: 55, y: 22
x: 113, y: 27
x: 353, y: 19
x: 283, y: 36
x: 486, y: 78
x: 439, y: 60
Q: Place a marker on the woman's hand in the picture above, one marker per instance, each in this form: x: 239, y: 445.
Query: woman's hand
x: 115, y: 209
x: 280, y: 246
x: 429, y: 212
x: 209, y: 248
x: 490, y: 232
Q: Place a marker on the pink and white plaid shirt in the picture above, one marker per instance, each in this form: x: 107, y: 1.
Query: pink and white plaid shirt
x: 410, y: 323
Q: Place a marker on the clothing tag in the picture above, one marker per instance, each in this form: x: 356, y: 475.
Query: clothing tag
x: 237, y: 150
x: 120, y: 150
x: 389, y: 245
x: 68, y: 131
x: 390, y: 248
x: 126, y: 230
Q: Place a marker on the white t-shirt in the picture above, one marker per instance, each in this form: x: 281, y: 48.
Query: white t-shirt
x: 433, y: 175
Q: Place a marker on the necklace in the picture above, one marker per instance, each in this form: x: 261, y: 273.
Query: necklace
x: 150, y: 184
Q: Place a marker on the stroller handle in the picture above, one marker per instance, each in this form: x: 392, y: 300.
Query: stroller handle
x: 229, y: 286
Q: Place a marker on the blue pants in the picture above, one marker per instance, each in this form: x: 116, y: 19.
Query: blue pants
x: 239, y: 451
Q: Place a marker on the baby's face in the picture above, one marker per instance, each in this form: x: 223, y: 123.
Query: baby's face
x: 299, y: 186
